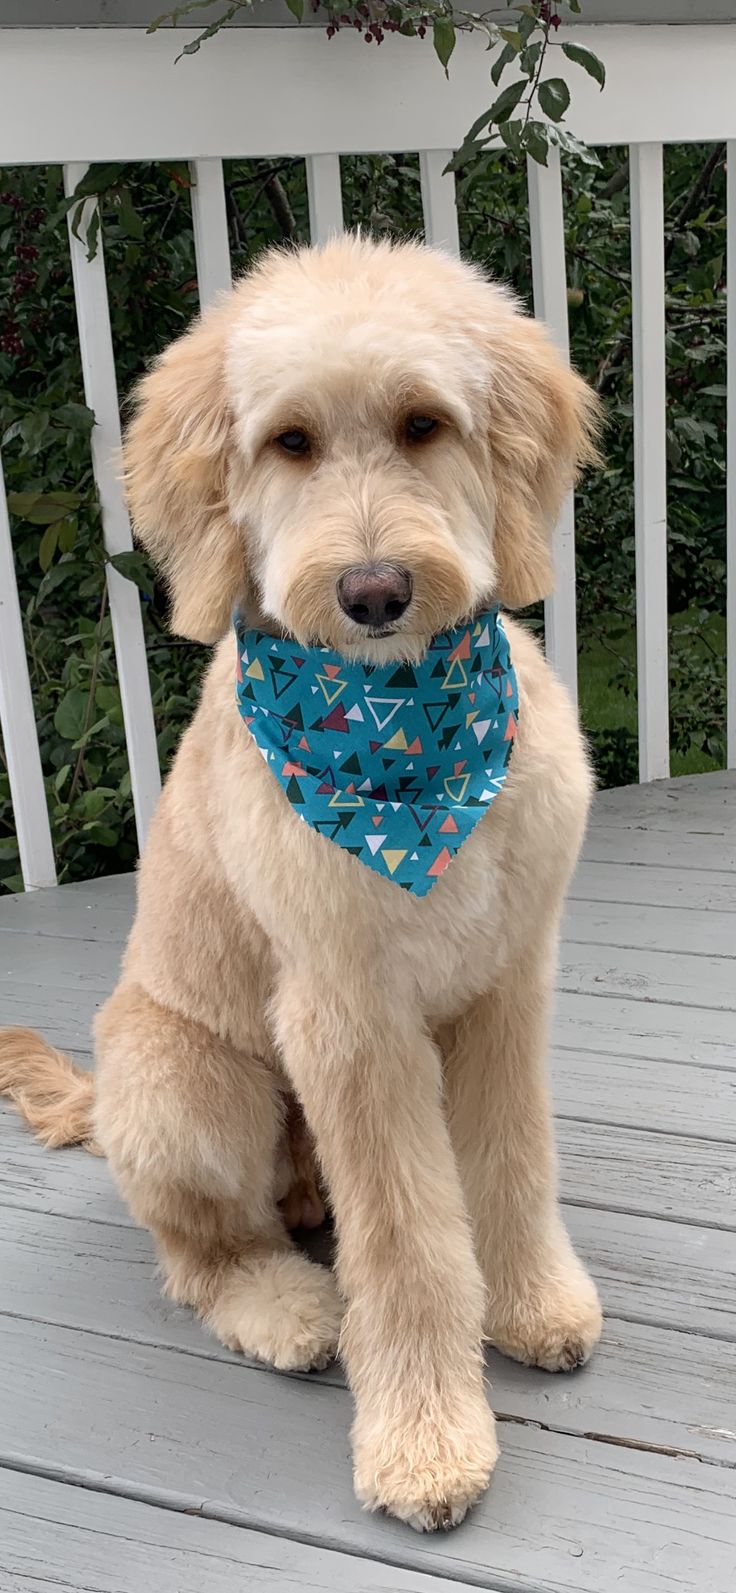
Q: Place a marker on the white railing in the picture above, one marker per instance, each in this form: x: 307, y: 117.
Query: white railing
x: 77, y: 96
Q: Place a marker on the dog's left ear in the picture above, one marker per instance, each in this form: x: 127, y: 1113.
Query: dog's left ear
x: 544, y: 422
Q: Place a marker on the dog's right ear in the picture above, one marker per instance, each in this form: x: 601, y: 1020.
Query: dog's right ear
x: 176, y: 458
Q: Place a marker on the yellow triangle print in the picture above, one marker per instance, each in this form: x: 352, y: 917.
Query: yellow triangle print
x: 393, y: 858
x: 398, y: 743
x: 332, y: 689
x: 456, y: 786
x: 470, y: 717
x: 255, y: 670
x: 341, y: 800
x: 455, y: 677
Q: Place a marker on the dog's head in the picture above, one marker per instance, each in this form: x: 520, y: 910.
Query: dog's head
x: 361, y: 445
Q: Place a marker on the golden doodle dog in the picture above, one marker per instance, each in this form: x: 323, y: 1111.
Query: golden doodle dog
x: 361, y: 448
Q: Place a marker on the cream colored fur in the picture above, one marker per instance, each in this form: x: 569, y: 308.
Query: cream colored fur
x: 267, y: 964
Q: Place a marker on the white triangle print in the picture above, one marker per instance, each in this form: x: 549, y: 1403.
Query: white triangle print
x: 366, y: 786
x: 409, y: 766
x: 484, y: 639
x: 374, y: 841
x: 355, y: 713
x: 392, y: 703
x: 314, y: 690
x: 414, y: 856
x: 480, y: 726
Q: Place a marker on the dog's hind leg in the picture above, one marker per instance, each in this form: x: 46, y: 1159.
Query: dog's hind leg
x: 190, y: 1126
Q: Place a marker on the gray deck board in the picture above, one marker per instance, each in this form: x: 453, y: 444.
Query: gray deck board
x: 73, y: 1540
x: 272, y: 1453
x: 136, y: 1452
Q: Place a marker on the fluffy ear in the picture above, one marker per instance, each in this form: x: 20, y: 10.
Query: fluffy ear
x: 175, y: 455
x: 544, y: 424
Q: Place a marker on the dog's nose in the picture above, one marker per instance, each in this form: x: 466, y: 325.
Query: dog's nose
x: 374, y: 594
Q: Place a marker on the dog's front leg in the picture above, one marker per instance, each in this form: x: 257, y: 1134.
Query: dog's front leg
x: 369, y: 1079
x: 542, y: 1307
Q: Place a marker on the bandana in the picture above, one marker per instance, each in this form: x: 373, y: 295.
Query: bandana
x: 395, y: 763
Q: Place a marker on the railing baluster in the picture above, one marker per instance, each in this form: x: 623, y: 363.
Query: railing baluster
x: 650, y: 457
x: 438, y: 199
x: 324, y: 189
x: 211, y: 240
x: 19, y: 726
x: 731, y: 455
x: 549, y: 277
x: 100, y: 389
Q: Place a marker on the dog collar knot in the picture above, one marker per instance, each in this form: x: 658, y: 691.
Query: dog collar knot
x: 394, y: 763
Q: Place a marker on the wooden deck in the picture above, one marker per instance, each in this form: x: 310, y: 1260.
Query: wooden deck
x: 137, y: 1455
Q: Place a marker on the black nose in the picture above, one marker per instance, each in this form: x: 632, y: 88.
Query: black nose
x: 374, y: 594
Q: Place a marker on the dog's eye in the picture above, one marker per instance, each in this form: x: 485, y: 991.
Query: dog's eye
x: 420, y: 426
x: 293, y: 442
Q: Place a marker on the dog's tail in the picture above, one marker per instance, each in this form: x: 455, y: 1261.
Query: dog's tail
x: 55, y: 1097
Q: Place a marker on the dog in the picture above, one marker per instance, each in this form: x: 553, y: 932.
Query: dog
x: 358, y: 449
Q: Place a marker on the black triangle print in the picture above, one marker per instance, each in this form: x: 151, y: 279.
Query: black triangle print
x: 387, y: 762
x: 453, y: 698
x: 476, y: 665
x: 439, y: 671
x: 351, y: 765
x: 404, y: 676
x: 448, y: 736
x: 426, y: 841
x: 281, y: 683
x: 277, y: 664
x: 380, y: 794
x: 354, y: 851
x: 435, y: 713
x: 346, y: 820
x: 294, y: 717
x: 328, y: 827
x: 293, y: 791
x: 247, y: 690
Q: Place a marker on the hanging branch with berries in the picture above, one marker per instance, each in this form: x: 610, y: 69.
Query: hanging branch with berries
x: 526, y: 116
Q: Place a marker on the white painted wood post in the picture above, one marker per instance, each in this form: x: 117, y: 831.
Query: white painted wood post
x: 650, y: 457
x: 549, y: 279
x: 101, y: 394
x: 209, y: 220
x: 439, y: 202
x: 731, y: 455
x: 17, y: 718
x: 324, y: 190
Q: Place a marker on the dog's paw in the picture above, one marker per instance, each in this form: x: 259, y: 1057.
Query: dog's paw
x: 426, y: 1473
x: 284, y: 1310
x: 554, y: 1324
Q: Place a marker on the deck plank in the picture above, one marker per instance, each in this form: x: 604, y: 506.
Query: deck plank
x: 622, y: 1475
x: 272, y: 1453
x: 67, y: 1273
x: 75, y: 1540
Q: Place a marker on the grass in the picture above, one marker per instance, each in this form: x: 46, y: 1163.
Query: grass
x: 606, y: 705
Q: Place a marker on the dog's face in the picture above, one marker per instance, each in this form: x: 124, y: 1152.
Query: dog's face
x: 360, y: 446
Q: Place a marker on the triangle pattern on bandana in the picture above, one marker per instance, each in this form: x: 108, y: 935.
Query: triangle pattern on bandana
x: 402, y: 760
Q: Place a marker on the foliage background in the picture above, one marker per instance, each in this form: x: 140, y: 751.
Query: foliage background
x: 146, y: 224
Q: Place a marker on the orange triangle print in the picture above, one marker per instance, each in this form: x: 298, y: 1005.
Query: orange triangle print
x: 463, y: 648
x: 440, y: 864
x: 448, y: 826
x: 510, y: 729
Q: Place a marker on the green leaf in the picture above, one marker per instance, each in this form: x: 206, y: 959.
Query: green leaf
x: 86, y: 736
x: 130, y: 221
x: 68, y: 533
x: 134, y: 566
x: 535, y: 140
x: 93, y: 233
x: 507, y: 101
x: 585, y: 58
x: 70, y: 714
x: 502, y: 60
x: 60, y: 777
x: 296, y: 8
x: 554, y: 97
x: 510, y: 132
x: 573, y: 146
x: 529, y: 57
x: 47, y: 546
x: 443, y: 34
x: 101, y: 833
x: 512, y: 36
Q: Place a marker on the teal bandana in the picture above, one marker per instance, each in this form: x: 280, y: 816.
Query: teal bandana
x: 397, y: 762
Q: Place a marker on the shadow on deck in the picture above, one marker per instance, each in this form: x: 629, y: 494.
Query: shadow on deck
x: 137, y: 1454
